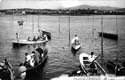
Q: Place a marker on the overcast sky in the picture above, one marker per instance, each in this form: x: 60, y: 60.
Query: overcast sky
x: 53, y: 4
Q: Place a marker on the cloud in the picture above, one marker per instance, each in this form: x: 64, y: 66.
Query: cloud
x: 54, y: 4
x: 70, y: 3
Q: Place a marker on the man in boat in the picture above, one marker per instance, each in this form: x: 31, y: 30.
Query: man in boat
x: 92, y: 65
x: 92, y: 57
x: 45, y: 37
x: 121, y: 70
x: 17, y: 36
x: 29, y: 39
x: 35, y: 58
x: 5, y: 72
x: 27, y: 60
x: 40, y: 51
x: 75, y: 40
x: 34, y: 38
x: 22, y: 71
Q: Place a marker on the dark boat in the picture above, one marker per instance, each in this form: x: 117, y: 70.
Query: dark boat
x: 117, y: 69
x: 109, y: 35
x: 31, y: 71
x: 28, y: 72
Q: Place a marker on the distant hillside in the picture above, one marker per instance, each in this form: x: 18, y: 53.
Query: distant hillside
x: 93, y: 7
x: 121, y: 9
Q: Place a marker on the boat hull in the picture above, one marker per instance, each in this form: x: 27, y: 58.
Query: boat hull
x: 25, y: 42
x: 37, y: 69
x: 88, y: 63
x: 109, y: 35
x: 75, y: 47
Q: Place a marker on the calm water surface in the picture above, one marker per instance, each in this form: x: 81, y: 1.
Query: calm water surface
x: 60, y: 59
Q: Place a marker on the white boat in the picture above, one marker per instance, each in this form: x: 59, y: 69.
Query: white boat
x: 90, y: 66
x: 75, y: 45
x: 86, y: 71
x: 41, y: 39
x: 26, y: 42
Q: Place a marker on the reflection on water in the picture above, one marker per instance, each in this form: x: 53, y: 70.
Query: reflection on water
x: 60, y: 58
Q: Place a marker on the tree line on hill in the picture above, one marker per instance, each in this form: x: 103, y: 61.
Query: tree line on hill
x: 63, y: 11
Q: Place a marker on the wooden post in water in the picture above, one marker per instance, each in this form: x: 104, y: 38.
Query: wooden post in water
x: 32, y: 26
x: 102, y: 60
x: 117, y: 46
x: 69, y: 27
x: 59, y: 20
x: 38, y: 23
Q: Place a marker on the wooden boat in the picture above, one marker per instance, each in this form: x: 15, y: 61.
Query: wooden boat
x: 17, y: 43
x: 7, y: 73
x: 117, y: 69
x: 109, y: 35
x: 36, y: 69
x: 75, y: 46
x: 90, y: 66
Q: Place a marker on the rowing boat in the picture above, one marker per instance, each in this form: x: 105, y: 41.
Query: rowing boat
x: 75, y: 45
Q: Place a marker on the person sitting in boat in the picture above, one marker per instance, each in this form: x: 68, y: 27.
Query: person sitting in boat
x: 17, y: 36
x: 32, y: 60
x: 40, y: 51
x: 27, y: 60
x: 34, y: 38
x: 35, y: 57
x: 5, y: 73
x: 75, y: 40
x: 29, y: 39
x: 38, y: 38
x: 92, y: 57
x: 92, y: 66
x: 44, y: 37
x: 121, y: 70
x: 3, y: 70
x: 22, y: 71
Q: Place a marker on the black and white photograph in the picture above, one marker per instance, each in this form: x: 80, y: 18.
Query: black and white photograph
x: 62, y: 39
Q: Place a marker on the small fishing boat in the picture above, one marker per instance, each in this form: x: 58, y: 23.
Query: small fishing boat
x: 21, y: 42
x: 31, y: 71
x: 109, y: 35
x: 43, y: 36
x: 6, y: 71
x: 75, y: 45
x: 90, y: 66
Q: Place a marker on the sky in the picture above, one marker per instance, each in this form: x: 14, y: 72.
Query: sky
x: 54, y: 4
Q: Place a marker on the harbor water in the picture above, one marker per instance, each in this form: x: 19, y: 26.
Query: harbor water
x: 60, y: 58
